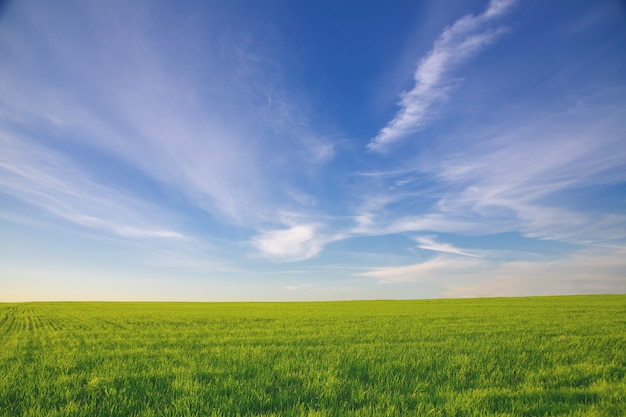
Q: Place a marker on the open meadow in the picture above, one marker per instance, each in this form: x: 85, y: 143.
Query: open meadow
x: 540, y: 356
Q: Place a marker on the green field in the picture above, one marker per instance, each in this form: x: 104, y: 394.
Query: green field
x: 479, y: 357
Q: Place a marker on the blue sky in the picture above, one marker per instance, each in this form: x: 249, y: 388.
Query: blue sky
x: 311, y: 150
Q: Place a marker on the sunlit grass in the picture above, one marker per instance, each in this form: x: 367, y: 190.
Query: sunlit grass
x: 482, y: 357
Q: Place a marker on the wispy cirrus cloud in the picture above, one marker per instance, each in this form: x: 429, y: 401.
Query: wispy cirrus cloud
x: 597, y: 270
x: 49, y: 180
x: 590, y: 270
x: 517, y: 179
x: 534, y: 173
x: 182, y: 122
x: 456, y: 44
x: 429, y: 243
x: 442, y: 266
x: 126, y: 101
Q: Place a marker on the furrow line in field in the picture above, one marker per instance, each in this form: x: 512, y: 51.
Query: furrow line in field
x: 24, y: 318
x: 38, y: 323
x: 29, y: 320
x: 82, y: 321
x: 18, y: 318
x: 14, y: 324
x: 5, y: 317
x: 56, y: 324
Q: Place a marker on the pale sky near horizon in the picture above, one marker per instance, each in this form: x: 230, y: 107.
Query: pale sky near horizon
x: 311, y: 150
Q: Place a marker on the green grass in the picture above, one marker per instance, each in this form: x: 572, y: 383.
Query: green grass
x: 481, y: 357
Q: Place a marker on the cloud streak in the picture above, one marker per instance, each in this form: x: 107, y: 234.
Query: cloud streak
x: 50, y: 181
x: 599, y: 270
x: 458, y: 43
x: 439, y: 267
x: 428, y: 243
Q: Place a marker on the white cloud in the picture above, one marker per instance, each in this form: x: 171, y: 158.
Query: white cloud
x: 364, y: 223
x: 308, y: 286
x: 466, y: 37
x: 157, y: 233
x: 295, y: 243
x: 428, y: 243
x: 433, y: 222
x: 365, y: 219
x: 441, y: 266
x: 498, y: 7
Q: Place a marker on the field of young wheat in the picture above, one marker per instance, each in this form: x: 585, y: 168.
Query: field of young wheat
x: 476, y: 357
